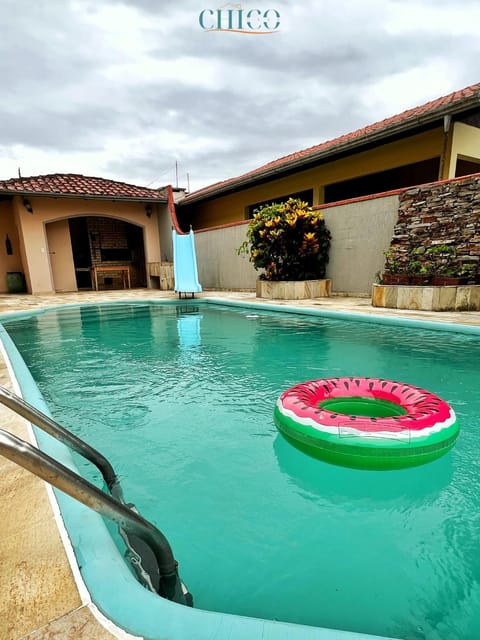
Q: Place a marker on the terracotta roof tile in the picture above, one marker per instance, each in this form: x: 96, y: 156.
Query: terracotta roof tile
x: 433, y: 106
x: 76, y: 185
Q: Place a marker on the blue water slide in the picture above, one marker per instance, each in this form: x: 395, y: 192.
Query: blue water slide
x: 185, y: 263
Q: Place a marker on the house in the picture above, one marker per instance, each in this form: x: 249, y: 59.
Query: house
x: 65, y: 232
x: 435, y: 141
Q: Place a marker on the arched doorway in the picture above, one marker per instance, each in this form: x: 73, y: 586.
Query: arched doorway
x: 100, y: 241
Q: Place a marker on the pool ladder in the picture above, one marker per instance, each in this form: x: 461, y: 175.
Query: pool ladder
x: 148, y: 549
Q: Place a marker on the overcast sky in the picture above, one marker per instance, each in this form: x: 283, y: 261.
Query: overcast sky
x: 124, y: 89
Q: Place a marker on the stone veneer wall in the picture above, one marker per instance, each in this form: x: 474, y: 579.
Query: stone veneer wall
x: 294, y: 289
x: 445, y: 212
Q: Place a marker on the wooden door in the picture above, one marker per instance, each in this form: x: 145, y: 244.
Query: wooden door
x: 61, y: 256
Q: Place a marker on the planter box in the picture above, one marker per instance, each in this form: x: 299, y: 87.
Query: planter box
x: 427, y: 298
x: 448, y: 281
x: 405, y: 278
x: 395, y: 278
x: 419, y: 280
x: 294, y: 289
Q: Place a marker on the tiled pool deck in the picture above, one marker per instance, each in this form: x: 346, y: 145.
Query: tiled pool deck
x: 39, y: 598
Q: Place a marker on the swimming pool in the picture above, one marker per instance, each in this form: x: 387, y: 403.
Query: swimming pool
x: 391, y: 553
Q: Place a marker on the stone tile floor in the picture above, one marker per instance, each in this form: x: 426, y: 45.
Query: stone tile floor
x: 39, y: 598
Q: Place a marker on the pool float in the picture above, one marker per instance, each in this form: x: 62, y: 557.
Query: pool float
x: 366, y: 423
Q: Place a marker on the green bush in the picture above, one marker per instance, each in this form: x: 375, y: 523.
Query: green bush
x: 393, y: 264
x: 444, y: 259
x: 289, y: 241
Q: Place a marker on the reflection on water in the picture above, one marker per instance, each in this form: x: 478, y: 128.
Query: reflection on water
x: 369, y: 489
x: 188, y: 325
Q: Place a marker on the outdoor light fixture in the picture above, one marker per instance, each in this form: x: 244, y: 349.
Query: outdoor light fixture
x: 8, y: 246
x: 28, y: 206
x: 148, y: 210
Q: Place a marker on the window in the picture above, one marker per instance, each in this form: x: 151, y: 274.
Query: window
x: 305, y: 196
x: 406, y: 176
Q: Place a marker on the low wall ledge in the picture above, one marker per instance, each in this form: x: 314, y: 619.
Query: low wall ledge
x: 426, y: 298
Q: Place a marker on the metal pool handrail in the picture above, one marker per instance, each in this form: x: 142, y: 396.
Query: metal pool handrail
x: 30, y: 413
x: 42, y: 465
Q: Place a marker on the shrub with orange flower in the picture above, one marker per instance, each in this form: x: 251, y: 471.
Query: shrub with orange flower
x: 288, y: 241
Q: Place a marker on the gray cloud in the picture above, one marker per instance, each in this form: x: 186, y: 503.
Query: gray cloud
x: 74, y: 82
x: 70, y: 130
x: 45, y: 59
x: 44, y: 45
x: 249, y: 134
x: 339, y: 56
x: 157, y: 7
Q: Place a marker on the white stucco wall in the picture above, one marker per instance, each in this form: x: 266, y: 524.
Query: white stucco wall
x: 219, y: 265
x: 361, y: 233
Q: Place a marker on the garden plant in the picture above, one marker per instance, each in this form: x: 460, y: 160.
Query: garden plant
x: 289, y: 241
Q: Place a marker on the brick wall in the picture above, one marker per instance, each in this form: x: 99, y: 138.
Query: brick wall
x: 109, y: 233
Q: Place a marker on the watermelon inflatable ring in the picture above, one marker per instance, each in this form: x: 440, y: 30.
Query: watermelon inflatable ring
x: 366, y: 423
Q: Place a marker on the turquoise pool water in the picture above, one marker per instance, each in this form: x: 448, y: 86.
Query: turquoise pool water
x: 180, y: 398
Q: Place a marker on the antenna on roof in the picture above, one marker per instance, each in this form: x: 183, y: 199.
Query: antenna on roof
x: 188, y: 182
x: 19, y: 173
x: 176, y: 174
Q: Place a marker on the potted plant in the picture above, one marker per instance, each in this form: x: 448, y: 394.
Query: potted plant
x: 394, y: 271
x: 468, y: 271
x: 288, y: 241
x: 446, y: 267
x: 419, y: 267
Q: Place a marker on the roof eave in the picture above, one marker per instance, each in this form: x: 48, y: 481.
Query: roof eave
x: 81, y: 196
x: 368, y: 138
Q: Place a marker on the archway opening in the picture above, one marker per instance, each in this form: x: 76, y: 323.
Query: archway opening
x: 107, y: 242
